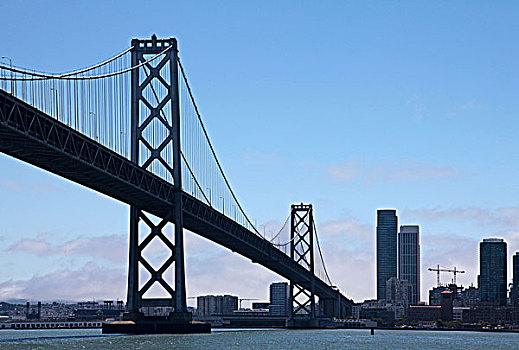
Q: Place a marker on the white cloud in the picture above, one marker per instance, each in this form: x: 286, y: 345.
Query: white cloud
x: 35, y: 186
x: 348, y: 251
x: 348, y: 247
x: 345, y: 172
x: 262, y: 158
x: 411, y: 170
x: 89, y: 282
x: 507, y: 217
x: 466, y: 106
x: 113, y: 248
x: 34, y: 246
x: 212, y: 269
x: 417, y: 106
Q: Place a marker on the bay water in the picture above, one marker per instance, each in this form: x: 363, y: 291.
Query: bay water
x: 260, y: 340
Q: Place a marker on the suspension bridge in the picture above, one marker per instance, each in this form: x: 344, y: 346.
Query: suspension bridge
x: 129, y: 128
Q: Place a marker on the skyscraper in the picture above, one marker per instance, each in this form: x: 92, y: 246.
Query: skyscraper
x: 515, y: 280
x: 409, y: 259
x: 387, y: 223
x: 492, y: 270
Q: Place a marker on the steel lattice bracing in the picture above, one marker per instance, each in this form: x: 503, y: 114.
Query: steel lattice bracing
x: 302, y: 295
x: 154, y: 99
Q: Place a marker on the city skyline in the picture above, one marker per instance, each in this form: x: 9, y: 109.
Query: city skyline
x: 382, y: 82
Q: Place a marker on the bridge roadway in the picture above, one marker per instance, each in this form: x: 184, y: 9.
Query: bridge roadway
x: 34, y: 137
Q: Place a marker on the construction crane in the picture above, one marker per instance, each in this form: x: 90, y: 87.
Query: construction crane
x: 438, y: 270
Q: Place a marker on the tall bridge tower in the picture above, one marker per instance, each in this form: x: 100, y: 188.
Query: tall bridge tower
x: 302, y: 300
x: 155, y: 99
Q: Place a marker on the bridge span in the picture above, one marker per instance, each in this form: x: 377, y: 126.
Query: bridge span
x: 35, y: 136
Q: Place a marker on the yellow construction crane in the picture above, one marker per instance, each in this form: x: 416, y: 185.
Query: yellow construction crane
x: 438, y: 270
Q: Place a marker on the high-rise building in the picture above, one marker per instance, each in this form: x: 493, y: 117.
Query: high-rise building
x: 409, y: 259
x: 492, y: 270
x: 515, y: 280
x: 387, y: 223
x: 399, y: 291
x: 279, y: 299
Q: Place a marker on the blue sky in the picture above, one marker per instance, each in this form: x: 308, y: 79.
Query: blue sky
x: 351, y: 106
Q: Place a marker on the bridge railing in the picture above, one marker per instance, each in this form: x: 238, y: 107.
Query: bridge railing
x: 93, y: 101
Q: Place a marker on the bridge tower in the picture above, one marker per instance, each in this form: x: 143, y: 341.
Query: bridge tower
x: 155, y: 99
x: 302, y: 300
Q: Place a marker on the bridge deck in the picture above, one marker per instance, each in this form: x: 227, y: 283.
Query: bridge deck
x: 34, y: 137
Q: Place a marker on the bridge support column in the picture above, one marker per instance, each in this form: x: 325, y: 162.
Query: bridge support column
x: 302, y: 313
x: 155, y: 146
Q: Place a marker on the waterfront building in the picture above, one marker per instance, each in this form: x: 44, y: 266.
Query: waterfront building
x: 387, y: 224
x: 383, y: 315
x: 457, y: 313
x: 447, y: 298
x: 279, y: 299
x: 495, y: 315
x: 409, y: 259
x: 433, y: 313
x: 421, y: 313
x: 514, y: 293
x: 208, y: 305
x: 469, y: 297
x: 435, y: 293
x: 397, y: 309
x: 492, y: 271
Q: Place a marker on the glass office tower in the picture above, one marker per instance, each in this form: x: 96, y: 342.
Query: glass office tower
x: 492, y: 270
x: 387, y: 223
x: 515, y: 280
x: 409, y: 259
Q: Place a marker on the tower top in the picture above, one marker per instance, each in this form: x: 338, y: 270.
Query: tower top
x: 493, y: 240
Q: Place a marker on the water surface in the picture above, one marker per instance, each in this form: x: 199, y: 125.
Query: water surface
x: 260, y: 340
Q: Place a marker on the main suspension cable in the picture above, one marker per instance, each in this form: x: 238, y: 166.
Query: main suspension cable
x: 97, y: 65
x: 69, y: 76
x: 280, y: 230
x: 321, y: 254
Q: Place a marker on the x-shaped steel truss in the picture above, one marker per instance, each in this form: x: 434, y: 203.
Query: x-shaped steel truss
x: 156, y: 275
x: 149, y: 140
x: 302, y: 300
